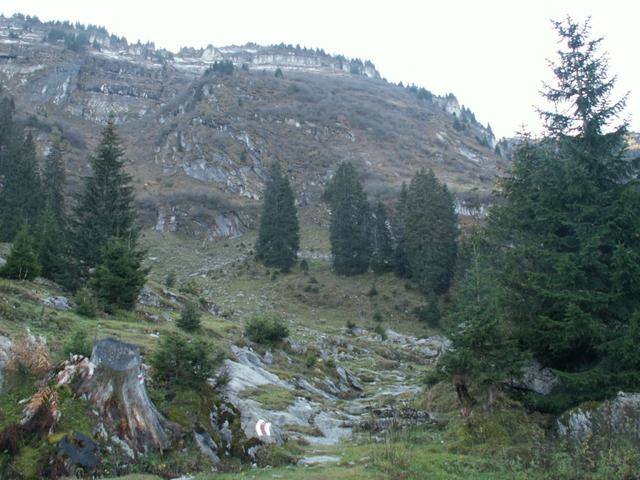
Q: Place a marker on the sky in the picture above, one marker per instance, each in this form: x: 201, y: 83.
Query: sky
x: 492, y: 54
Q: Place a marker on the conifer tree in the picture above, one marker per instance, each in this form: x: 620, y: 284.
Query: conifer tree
x: 382, y: 256
x: 400, y: 259
x: 22, y: 263
x: 567, y: 228
x: 431, y: 232
x: 105, y: 207
x: 189, y: 320
x: 278, y: 236
x: 120, y: 276
x: 350, y: 222
x: 20, y: 190
x: 53, y: 251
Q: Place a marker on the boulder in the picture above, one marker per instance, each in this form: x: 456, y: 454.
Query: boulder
x: 148, y: 297
x: 385, y: 418
x: 536, y: 379
x: 618, y: 417
x: 59, y: 303
x: 76, y: 454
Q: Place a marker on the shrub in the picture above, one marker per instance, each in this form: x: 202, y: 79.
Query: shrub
x: 78, y: 344
x: 189, y: 320
x: 373, y: 291
x: 304, y: 266
x: 377, y: 316
x: 170, y: 280
x: 310, y: 360
x: 379, y: 330
x: 429, y: 312
x: 180, y: 362
x: 86, y: 303
x: 266, y: 330
x: 351, y: 325
x: 190, y: 287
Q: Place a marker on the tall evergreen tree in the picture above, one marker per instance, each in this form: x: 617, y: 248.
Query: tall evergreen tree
x: 350, y: 222
x: 568, y: 231
x: 20, y: 190
x: 382, y: 256
x: 120, y: 276
x: 105, y: 206
x: 431, y: 232
x: 54, y: 182
x: 278, y: 237
x: 53, y: 249
x: 400, y: 258
x: 22, y: 263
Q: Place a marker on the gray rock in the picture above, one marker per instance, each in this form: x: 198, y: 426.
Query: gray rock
x: 536, y: 379
x: 268, y: 357
x: 314, y: 460
x: 3, y: 262
x: 5, y: 356
x: 433, y: 347
x: 296, y: 346
x: 148, y: 297
x: 305, y: 385
x: 59, y: 303
x: 383, y: 419
x: 349, y: 378
x: 619, y: 417
x: 208, y: 447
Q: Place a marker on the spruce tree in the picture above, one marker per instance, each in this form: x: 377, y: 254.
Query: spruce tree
x: 278, y: 236
x: 382, y: 256
x: 350, y: 222
x: 20, y: 189
x: 567, y: 228
x: 53, y: 251
x: 22, y: 263
x: 431, y: 232
x: 120, y: 276
x: 189, y: 320
x: 105, y: 207
x: 400, y: 258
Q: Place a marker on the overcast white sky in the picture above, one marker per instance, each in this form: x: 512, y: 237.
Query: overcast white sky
x: 490, y: 53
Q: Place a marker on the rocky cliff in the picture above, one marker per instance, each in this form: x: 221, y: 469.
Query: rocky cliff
x: 200, y: 125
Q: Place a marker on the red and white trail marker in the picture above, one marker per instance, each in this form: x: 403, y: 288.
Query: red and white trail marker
x: 263, y: 429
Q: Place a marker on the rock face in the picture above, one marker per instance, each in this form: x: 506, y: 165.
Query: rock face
x: 116, y: 388
x: 619, y: 417
x: 199, y: 139
x: 59, y: 303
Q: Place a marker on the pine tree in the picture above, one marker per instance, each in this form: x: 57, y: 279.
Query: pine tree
x: 20, y: 190
x: 382, y: 256
x: 278, y: 236
x: 431, y: 232
x: 350, y: 222
x: 120, y: 276
x: 53, y: 183
x: 400, y: 258
x: 22, y: 263
x: 189, y: 320
x: 485, y: 350
x: 105, y: 207
x: 53, y: 251
x: 567, y: 228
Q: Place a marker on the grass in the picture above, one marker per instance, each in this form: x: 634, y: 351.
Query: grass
x: 273, y: 397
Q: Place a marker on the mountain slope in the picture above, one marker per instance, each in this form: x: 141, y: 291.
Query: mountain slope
x: 199, y: 138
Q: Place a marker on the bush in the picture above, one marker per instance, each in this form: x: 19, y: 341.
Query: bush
x: 180, y: 362
x: 86, y: 303
x: 377, y: 316
x: 266, y: 330
x: 190, y: 287
x: 78, y: 344
x: 170, y: 280
x: 373, y: 291
x: 379, y: 330
x: 189, y: 320
x: 429, y: 312
x: 310, y: 360
x: 304, y: 266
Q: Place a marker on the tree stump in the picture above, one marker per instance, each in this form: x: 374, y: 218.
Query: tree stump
x: 117, y: 389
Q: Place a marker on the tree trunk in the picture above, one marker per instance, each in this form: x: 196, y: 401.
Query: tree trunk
x: 117, y: 389
x: 465, y: 399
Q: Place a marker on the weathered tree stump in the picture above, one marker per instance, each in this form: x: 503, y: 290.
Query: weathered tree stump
x: 117, y: 389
